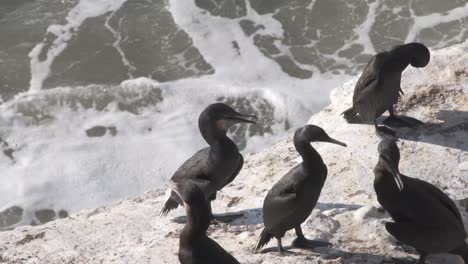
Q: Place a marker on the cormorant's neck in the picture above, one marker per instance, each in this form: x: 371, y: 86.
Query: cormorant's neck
x: 400, y: 58
x: 198, y: 221
x: 310, y: 157
x: 217, y: 139
x: 382, y: 166
x: 211, y: 133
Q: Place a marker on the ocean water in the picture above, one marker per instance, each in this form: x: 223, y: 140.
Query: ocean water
x: 100, y: 98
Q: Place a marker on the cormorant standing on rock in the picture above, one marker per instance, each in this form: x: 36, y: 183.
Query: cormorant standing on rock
x: 195, y: 247
x: 213, y: 167
x: 291, y: 200
x: 377, y: 90
x: 424, y: 217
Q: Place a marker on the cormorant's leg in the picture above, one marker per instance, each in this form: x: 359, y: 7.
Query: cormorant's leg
x: 384, y: 132
x: 302, y: 242
x: 280, y: 246
x: 400, y: 121
x: 213, y: 219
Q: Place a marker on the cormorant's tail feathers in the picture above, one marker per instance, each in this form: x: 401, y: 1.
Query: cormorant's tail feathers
x: 170, y: 204
x: 264, y: 238
x: 349, y: 113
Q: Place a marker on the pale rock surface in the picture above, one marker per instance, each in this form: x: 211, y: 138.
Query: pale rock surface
x: 347, y: 215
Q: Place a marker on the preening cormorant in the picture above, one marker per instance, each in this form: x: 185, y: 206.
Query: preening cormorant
x: 195, y: 247
x: 378, y: 88
x: 424, y: 217
x: 291, y: 200
x: 213, y: 167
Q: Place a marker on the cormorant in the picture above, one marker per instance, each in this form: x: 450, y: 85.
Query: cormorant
x: 291, y: 200
x: 378, y: 87
x: 195, y: 247
x: 424, y: 217
x: 213, y: 167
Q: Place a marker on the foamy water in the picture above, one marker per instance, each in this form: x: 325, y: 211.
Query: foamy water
x: 148, y: 123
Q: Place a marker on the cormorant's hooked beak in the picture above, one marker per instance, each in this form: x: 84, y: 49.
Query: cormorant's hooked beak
x: 394, y: 171
x: 238, y: 117
x: 334, y: 141
x: 401, y: 91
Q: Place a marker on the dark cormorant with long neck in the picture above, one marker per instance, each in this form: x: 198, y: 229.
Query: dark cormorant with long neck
x: 424, y: 217
x: 377, y: 90
x: 291, y: 200
x: 213, y: 167
x: 195, y: 247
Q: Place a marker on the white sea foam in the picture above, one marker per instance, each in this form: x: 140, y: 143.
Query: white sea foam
x: 40, y: 68
x: 429, y: 21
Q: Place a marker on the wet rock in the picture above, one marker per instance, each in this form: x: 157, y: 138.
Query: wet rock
x: 10, y: 216
x: 223, y: 8
x: 62, y: 214
x: 99, y: 131
x: 163, y: 53
x: 249, y: 27
x: 7, y: 150
x: 23, y: 25
x: 264, y: 111
x: 45, y: 215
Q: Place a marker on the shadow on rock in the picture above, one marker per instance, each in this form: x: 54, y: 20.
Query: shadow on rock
x: 247, y: 217
x: 347, y: 257
x: 254, y: 216
x: 450, y: 133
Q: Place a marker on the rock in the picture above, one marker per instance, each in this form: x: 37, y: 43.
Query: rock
x: 464, y: 166
x: 369, y: 211
x: 10, y: 217
x: 45, y: 215
x: 99, y: 131
x: 131, y: 231
x: 62, y: 214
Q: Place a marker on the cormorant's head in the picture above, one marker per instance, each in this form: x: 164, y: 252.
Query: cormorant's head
x: 419, y: 54
x: 312, y: 133
x: 220, y: 117
x: 389, y: 156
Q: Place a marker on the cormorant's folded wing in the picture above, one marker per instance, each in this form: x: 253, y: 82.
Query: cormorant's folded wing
x: 431, y: 205
x: 281, y: 203
x: 442, y: 198
x: 369, y: 75
x: 195, y: 167
x: 239, y: 168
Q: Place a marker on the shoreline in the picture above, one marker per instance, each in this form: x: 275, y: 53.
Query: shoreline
x: 347, y: 214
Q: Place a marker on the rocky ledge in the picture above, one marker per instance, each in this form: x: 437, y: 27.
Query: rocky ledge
x: 347, y: 215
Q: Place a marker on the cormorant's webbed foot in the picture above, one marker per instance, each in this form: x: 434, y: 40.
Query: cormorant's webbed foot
x: 280, y: 247
x: 352, y: 116
x: 302, y: 242
x: 402, y: 121
x: 227, y: 218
